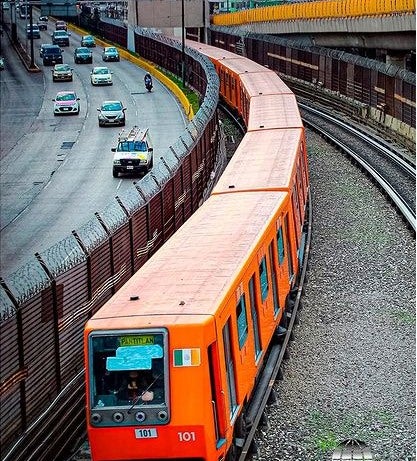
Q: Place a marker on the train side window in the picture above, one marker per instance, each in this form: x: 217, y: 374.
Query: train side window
x: 255, y: 316
x: 263, y: 279
x: 230, y: 369
x: 242, y: 321
x: 280, y: 245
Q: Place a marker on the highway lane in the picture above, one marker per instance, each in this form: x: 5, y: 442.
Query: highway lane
x: 48, y: 190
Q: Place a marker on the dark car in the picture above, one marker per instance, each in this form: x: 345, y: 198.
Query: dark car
x: 83, y: 55
x: 60, y: 37
x: 51, y: 55
x: 88, y: 41
x: 110, y: 53
x: 33, y: 31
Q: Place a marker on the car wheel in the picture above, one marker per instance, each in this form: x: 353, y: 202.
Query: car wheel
x: 115, y: 173
x: 123, y: 123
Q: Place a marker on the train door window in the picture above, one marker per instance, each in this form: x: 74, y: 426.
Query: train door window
x: 274, y: 276
x: 280, y: 245
x: 242, y: 321
x: 286, y: 240
x: 255, y: 317
x: 263, y: 279
x: 230, y: 370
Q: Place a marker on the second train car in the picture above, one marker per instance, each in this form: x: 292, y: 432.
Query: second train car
x: 173, y: 357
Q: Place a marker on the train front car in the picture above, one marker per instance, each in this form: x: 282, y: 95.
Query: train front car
x: 196, y: 321
x: 133, y: 376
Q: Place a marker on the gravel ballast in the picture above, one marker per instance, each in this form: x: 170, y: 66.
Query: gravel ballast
x: 351, y: 367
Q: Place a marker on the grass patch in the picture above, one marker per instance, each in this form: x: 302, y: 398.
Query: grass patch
x: 404, y: 317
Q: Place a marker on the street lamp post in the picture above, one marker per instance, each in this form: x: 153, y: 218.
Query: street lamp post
x: 182, y: 44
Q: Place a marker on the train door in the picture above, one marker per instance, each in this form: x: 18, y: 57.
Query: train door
x: 284, y: 248
x: 230, y: 369
x: 255, y: 317
x: 274, y: 277
x: 217, y: 399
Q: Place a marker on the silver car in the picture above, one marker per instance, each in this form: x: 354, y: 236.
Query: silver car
x: 62, y: 72
x: 111, y: 113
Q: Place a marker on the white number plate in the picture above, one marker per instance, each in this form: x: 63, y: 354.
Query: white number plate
x: 146, y: 433
x: 130, y: 167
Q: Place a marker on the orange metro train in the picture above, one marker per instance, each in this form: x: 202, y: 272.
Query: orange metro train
x: 173, y: 357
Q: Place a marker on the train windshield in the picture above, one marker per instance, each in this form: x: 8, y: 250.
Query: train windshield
x: 128, y: 369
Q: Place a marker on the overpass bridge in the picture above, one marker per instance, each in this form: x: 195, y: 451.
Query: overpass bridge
x: 382, y: 29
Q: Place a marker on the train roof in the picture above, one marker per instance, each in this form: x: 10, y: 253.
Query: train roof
x: 212, y: 51
x: 267, y: 82
x: 244, y: 66
x: 274, y: 111
x: 193, y: 271
x: 269, y: 164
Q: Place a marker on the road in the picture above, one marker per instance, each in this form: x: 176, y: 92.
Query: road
x: 56, y: 171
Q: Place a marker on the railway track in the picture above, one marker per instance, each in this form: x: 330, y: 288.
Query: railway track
x: 388, y: 165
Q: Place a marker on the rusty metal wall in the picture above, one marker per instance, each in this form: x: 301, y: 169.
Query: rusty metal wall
x: 45, y: 304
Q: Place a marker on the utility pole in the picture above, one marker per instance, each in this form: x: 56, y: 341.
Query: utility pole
x: 182, y: 43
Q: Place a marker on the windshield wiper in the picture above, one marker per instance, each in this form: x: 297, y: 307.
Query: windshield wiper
x: 136, y: 400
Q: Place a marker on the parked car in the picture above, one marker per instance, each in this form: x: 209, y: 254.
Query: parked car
x: 110, y: 53
x: 111, y: 113
x: 66, y: 102
x: 33, y: 32
x: 61, y: 25
x: 62, y: 72
x: 83, y: 55
x: 88, y: 40
x: 51, y: 54
x: 60, y: 37
x: 101, y: 76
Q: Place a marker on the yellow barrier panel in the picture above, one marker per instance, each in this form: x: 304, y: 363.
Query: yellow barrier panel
x: 317, y: 10
x: 149, y: 67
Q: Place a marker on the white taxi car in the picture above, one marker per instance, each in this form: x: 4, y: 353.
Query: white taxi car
x: 101, y: 76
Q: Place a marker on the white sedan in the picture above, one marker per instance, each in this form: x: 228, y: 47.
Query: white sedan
x: 101, y: 76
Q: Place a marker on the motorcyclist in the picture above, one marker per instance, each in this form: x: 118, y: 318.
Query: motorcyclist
x: 148, y: 81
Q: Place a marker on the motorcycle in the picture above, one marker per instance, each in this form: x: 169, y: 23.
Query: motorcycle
x: 148, y: 84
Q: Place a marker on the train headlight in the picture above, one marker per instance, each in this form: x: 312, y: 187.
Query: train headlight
x: 118, y: 417
x: 96, y: 418
x: 140, y: 416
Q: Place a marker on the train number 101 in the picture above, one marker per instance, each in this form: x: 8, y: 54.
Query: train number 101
x: 186, y: 436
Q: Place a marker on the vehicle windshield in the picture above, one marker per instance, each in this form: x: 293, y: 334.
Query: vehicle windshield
x: 62, y: 67
x: 65, y: 97
x: 102, y: 70
x: 112, y: 106
x: 59, y: 33
x: 123, y: 367
x: 131, y: 146
x: 82, y: 51
x: 111, y: 50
